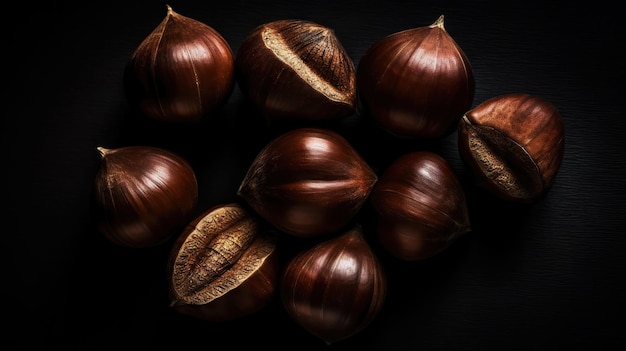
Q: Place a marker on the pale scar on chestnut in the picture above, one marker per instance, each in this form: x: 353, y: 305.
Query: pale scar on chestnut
x: 283, y: 52
x: 503, y: 160
x: 217, y: 256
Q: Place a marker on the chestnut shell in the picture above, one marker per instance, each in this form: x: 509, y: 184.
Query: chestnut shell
x: 224, y: 265
x: 514, y: 145
x: 308, y: 182
x: 181, y: 72
x: 421, y: 206
x: 335, y: 289
x: 416, y: 83
x: 296, y: 70
x: 144, y: 194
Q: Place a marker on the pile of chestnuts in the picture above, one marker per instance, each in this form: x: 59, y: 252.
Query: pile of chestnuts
x: 309, y: 183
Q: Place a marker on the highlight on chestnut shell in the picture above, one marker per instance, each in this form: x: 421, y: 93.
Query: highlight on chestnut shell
x: 416, y: 83
x: 336, y: 288
x: 181, y: 72
x: 296, y: 70
x: 307, y: 182
x: 514, y: 145
x: 420, y: 206
x: 223, y: 266
x: 144, y: 194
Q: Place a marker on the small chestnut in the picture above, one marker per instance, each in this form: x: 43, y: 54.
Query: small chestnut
x: 181, y: 72
x: 296, y: 70
x: 420, y: 205
x: 513, y: 144
x: 223, y: 266
x: 336, y: 288
x: 144, y: 194
x: 416, y: 83
x: 307, y: 182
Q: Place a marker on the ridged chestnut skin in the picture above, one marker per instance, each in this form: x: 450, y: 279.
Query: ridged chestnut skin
x: 514, y: 145
x: 223, y: 266
x: 416, y: 83
x: 421, y: 206
x: 336, y: 288
x: 181, y: 72
x: 296, y: 70
x: 308, y: 182
x: 144, y: 194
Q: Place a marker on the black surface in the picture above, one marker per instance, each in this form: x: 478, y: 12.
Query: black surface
x: 546, y: 276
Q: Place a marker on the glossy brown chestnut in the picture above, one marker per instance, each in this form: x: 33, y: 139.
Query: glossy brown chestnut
x: 421, y: 206
x: 335, y: 289
x: 223, y: 266
x: 298, y: 70
x: 514, y: 145
x: 144, y: 194
x: 181, y: 72
x: 416, y: 83
x: 307, y: 182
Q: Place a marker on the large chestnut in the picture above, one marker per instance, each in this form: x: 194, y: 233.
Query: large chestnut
x: 416, y: 83
x: 421, y: 206
x: 181, y: 72
x: 296, y: 70
x: 513, y: 144
x: 144, y: 194
x: 308, y: 182
x: 223, y: 266
x: 335, y: 289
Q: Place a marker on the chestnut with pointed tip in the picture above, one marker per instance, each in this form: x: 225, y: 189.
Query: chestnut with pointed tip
x: 223, y: 266
x: 296, y: 70
x: 336, y: 288
x: 421, y: 206
x: 144, y: 194
x: 513, y: 144
x: 416, y: 83
x: 308, y: 182
x: 181, y: 72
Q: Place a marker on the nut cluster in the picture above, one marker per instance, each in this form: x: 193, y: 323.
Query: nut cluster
x: 310, y: 182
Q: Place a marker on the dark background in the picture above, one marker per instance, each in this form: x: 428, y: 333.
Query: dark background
x: 546, y: 276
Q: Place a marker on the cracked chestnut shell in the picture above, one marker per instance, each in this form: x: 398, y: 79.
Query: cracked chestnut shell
x: 416, y: 83
x: 144, y: 194
x: 335, y: 289
x: 514, y: 145
x: 421, y: 206
x: 223, y: 266
x: 307, y: 182
x: 181, y: 72
x: 296, y: 70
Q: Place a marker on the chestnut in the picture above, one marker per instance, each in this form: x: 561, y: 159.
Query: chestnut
x: 296, y: 70
x: 513, y: 144
x: 181, y: 72
x: 416, y: 83
x: 336, y: 288
x: 307, y: 182
x: 223, y: 266
x: 143, y: 194
x: 420, y: 206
